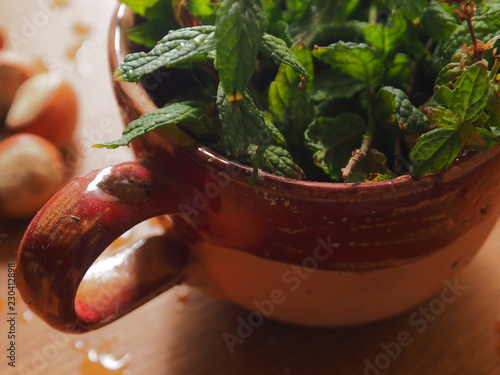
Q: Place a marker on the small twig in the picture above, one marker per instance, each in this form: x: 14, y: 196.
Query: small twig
x: 472, y: 33
x: 356, y: 156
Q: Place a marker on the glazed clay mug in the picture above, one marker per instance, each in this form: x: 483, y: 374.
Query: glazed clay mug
x: 326, y: 254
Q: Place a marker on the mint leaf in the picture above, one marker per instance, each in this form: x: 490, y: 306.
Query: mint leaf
x: 275, y: 159
x: 297, y: 9
x: 184, y: 113
x: 485, y: 26
x: 398, y: 113
x: 242, y: 124
x: 471, y: 135
x: 435, y: 150
x: 493, y: 108
x: 148, y: 33
x: 470, y: 95
x: 441, y: 97
x: 385, y: 39
x: 437, y: 23
x: 489, y: 138
x: 158, y: 21
x: 203, y: 10
x: 290, y: 103
x: 399, y: 71
x: 331, y: 140
x: 357, y: 60
x: 277, y: 137
x: 410, y: 9
x: 443, y: 118
x: 321, y: 15
x: 332, y: 84
x: 377, y: 177
x: 490, y: 13
x: 288, y: 84
x: 240, y: 26
x: 178, y: 48
x: 140, y: 6
x: 276, y: 49
x: 449, y: 74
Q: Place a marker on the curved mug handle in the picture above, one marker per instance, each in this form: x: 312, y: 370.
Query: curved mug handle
x: 67, y: 236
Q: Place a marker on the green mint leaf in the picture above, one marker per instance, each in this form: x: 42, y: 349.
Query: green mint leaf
x: 377, y: 177
x: 158, y: 21
x: 491, y: 12
x: 276, y: 49
x: 410, y: 9
x: 435, y: 150
x: 383, y: 38
x: 140, y: 6
x: 489, y: 138
x: 493, y: 108
x: 449, y: 74
x: 443, y: 118
x: 374, y: 163
x: 332, y: 84
x: 331, y: 140
x: 470, y: 95
x: 203, y: 10
x: 289, y: 101
x: 177, y: 49
x: 441, y: 97
x: 471, y: 136
x: 398, y: 113
x: 437, y: 23
x: 147, y: 33
x: 184, y: 113
x: 321, y: 15
x: 399, y: 71
x: 240, y: 26
x: 288, y: 83
x: 486, y: 26
x: 275, y: 159
x: 242, y: 124
x: 277, y: 137
x: 297, y: 9
x: 357, y: 60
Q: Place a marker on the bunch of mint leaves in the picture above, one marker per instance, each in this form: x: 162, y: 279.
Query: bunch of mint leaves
x: 325, y: 90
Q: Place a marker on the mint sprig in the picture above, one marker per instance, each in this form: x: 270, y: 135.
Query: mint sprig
x: 325, y: 90
x: 454, y: 125
x: 179, y: 48
x: 240, y: 26
x: 190, y: 112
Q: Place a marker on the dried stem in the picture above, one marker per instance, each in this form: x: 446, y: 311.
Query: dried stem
x: 357, y: 155
x: 472, y: 33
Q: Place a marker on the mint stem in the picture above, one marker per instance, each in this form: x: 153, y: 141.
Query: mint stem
x: 472, y: 33
x: 360, y: 154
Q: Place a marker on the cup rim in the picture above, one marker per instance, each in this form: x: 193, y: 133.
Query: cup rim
x: 118, y: 48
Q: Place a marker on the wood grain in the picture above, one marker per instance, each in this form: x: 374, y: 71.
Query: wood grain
x: 182, y: 331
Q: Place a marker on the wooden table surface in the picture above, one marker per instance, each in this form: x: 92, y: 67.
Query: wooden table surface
x: 182, y: 331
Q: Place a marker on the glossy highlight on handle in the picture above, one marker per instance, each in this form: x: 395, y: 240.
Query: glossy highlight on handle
x: 57, y: 272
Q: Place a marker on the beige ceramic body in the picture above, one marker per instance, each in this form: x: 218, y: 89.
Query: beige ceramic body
x: 316, y: 297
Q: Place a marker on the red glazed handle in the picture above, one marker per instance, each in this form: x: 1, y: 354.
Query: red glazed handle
x: 71, y: 231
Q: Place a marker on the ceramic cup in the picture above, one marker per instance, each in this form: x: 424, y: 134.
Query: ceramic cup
x: 320, y: 254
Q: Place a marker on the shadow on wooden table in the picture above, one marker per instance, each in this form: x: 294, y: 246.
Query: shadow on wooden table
x: 185, y: 332
x: 456, y: 332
